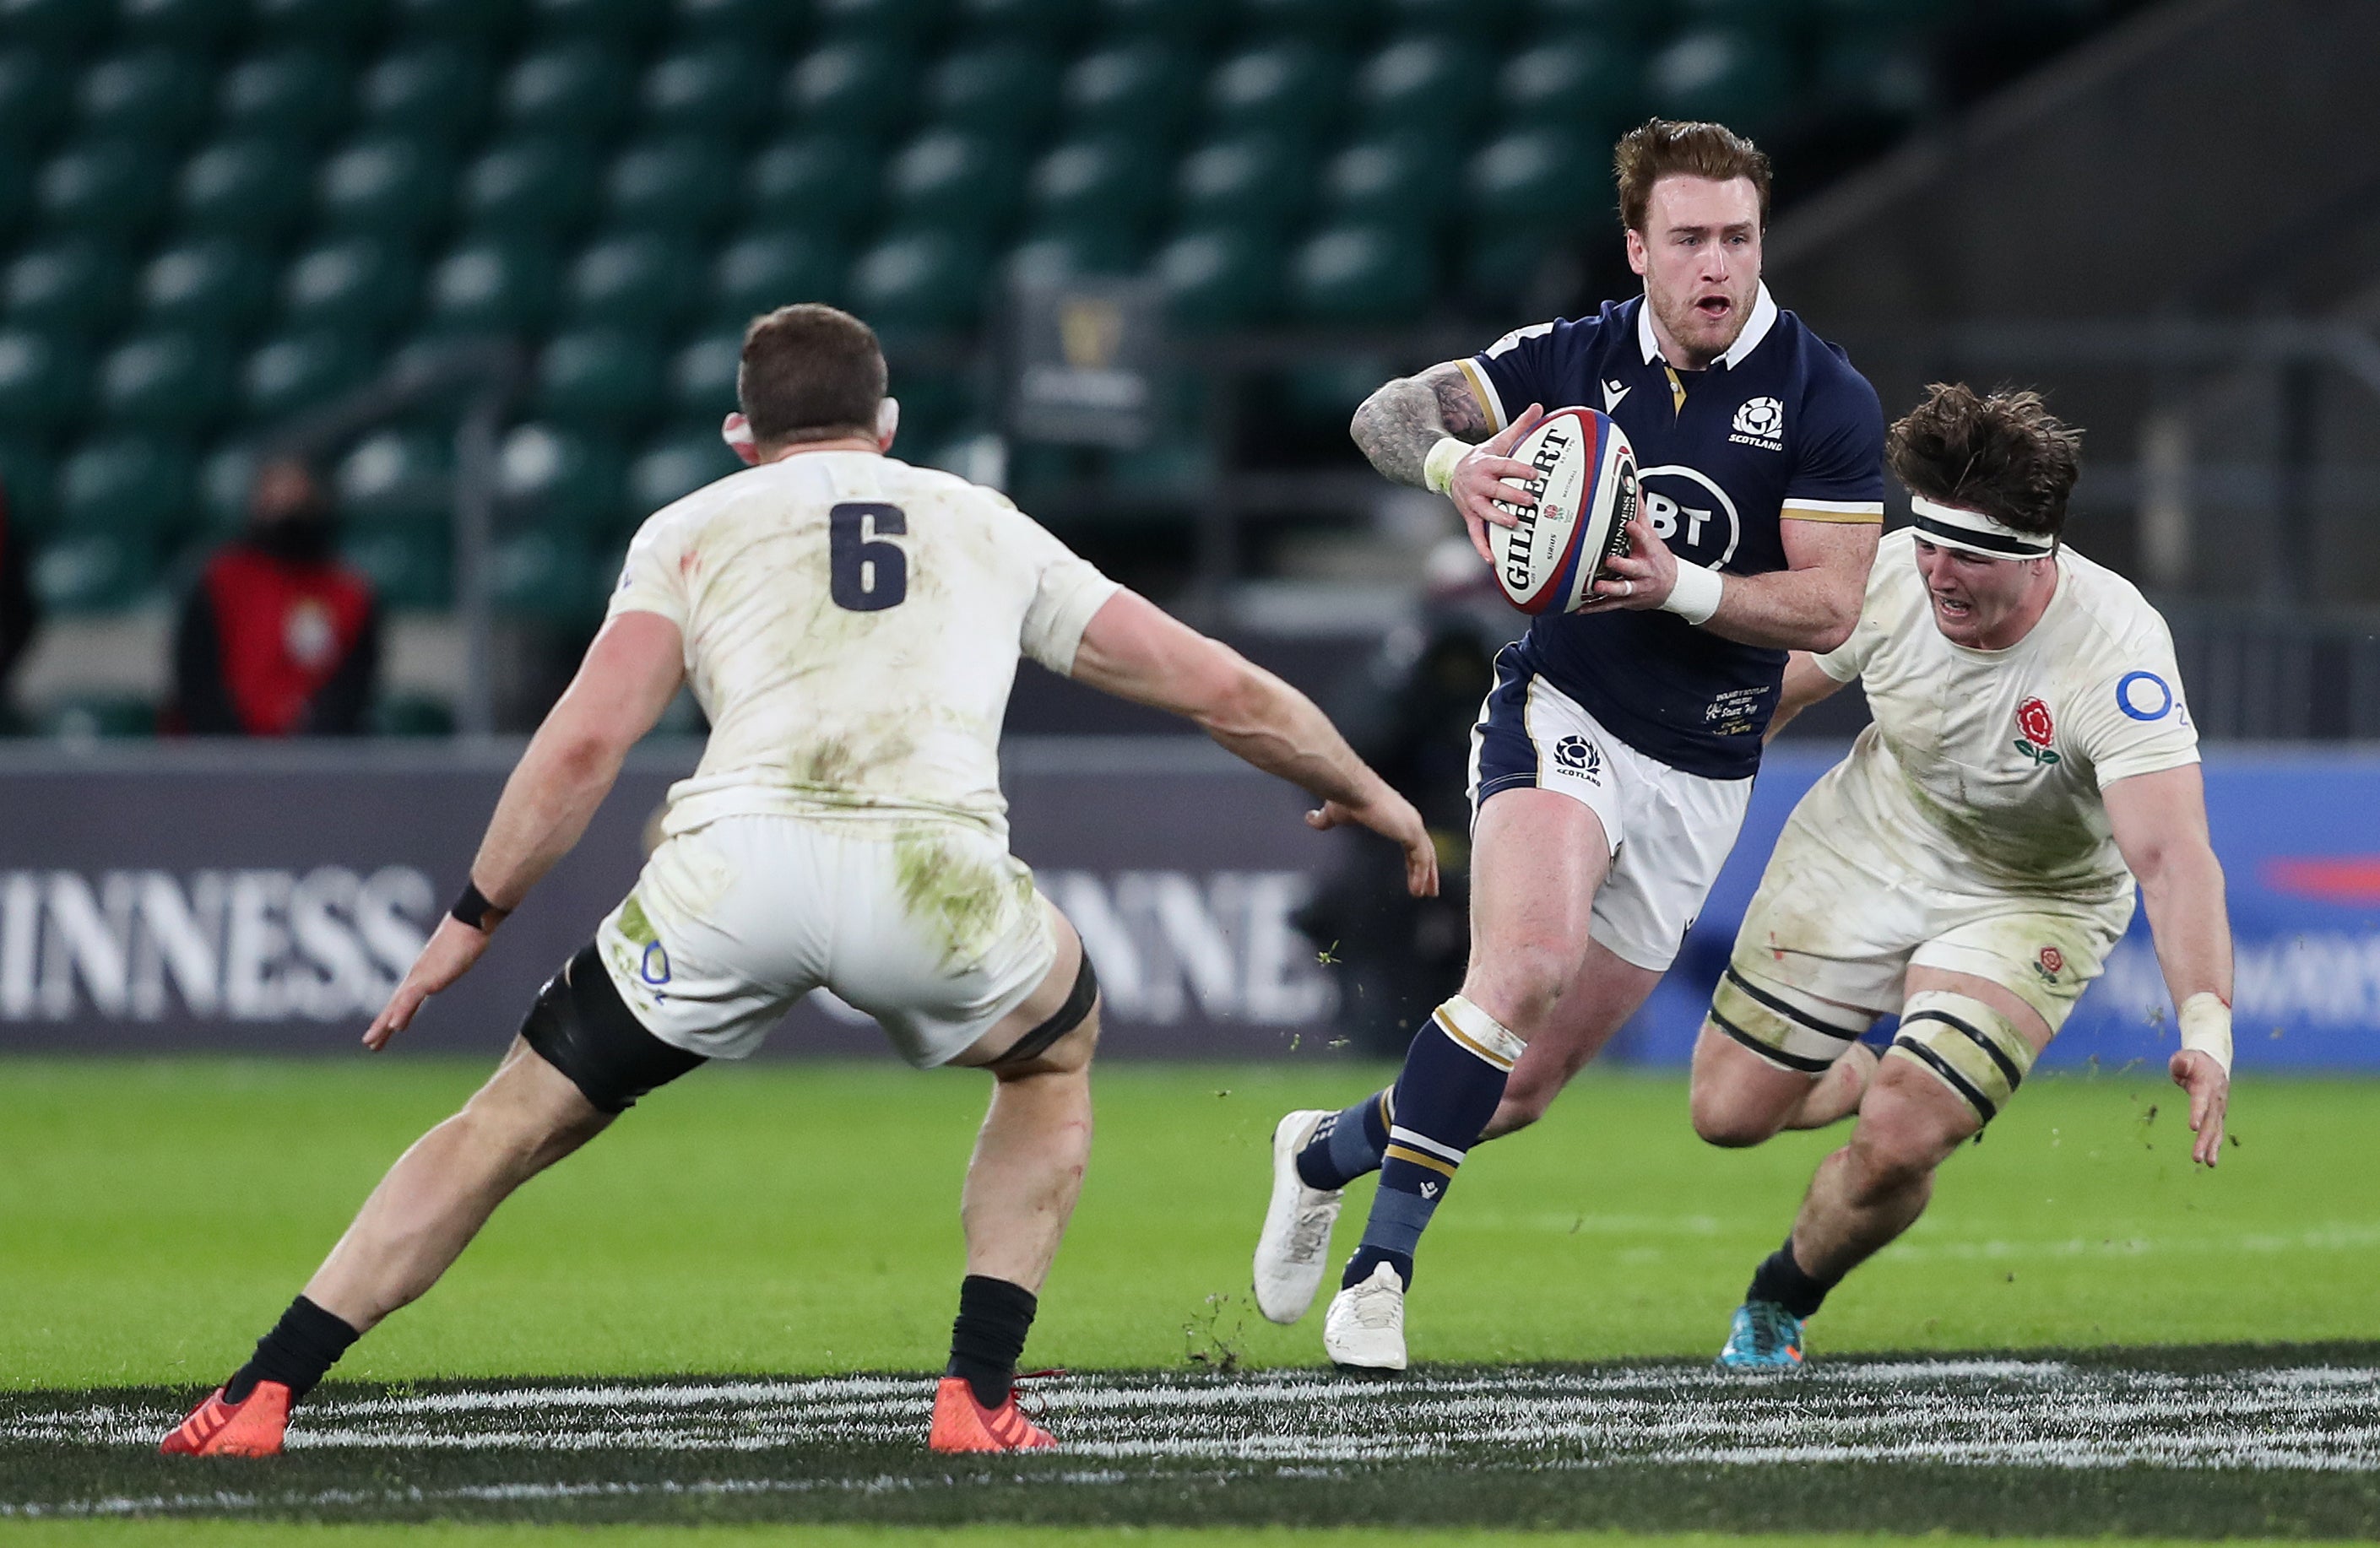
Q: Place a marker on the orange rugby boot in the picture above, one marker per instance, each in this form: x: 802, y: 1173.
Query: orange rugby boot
x: 961, y: 1424
x: 251, y: 1427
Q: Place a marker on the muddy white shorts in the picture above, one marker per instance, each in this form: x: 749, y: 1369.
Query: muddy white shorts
x: 1670, y: 830
x: 930, y: 926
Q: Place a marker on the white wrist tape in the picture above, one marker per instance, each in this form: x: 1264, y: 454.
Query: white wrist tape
x: 1697, y: 595
x: 1438, y: 468
x: 2206, y: 1027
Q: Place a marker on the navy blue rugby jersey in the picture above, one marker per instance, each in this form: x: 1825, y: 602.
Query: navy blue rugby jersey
x: 1781, y: 427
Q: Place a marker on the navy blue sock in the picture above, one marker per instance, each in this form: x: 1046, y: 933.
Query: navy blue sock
x: 1453, y: 1077
x: 1349, y: 1144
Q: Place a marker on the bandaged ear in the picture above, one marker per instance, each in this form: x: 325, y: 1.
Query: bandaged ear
x: 736, y: 432
x: 1967, y: 1046
x: 888, y: 420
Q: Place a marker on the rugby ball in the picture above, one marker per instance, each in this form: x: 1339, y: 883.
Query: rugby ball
x: 1548, y: 559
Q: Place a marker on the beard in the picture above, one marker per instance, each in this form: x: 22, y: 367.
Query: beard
x: 1706, y: 337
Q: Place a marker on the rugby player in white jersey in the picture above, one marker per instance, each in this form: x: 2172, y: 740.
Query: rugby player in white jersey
x: 1971, y: 861
x: 851, y: 625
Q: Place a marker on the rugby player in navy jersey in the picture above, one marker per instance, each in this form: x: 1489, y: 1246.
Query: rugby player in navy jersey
x: 1614, y: 755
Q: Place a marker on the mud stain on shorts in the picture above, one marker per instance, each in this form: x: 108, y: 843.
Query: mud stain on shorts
x: 946, y: 887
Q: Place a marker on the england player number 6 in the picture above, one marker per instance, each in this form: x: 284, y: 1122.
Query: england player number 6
x: 865, y: 574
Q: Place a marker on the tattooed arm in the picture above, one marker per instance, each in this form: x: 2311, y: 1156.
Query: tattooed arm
x: 1398, y: 426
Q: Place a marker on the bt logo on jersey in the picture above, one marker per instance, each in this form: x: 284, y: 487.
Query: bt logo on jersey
x: 2033, y: 720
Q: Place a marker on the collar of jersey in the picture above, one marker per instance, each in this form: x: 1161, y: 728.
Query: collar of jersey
x: 1764, y: 318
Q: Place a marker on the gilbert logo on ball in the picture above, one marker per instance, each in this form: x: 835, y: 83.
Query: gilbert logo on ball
x: 1585, y: 487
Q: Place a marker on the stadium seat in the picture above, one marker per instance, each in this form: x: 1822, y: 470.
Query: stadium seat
x: 430, y: 92
x: 1422, y: 85
x: 1541, y: 177
x: 356, y: 284
x: 16, y: 197
x: 909, y: 22
x: 1630, y: 21
x: 1329, y: 22
x: 925, y: 281
x: 1287, y: 88
x: 412, y: 715
x: 75, y: 287
x: 295, y: 372
x: 1361, y: 274
x: 1192, y: 21
x: 1106, y: 181
x: 599, y: 378
x: 396, y: 475
x: 154, y: 95
x: 555, y: 478
x: 253, y: 189
x: 344, y: 27
x: 676, y: 466
x: 1778, y: 20
x: 410, y: 560
x: 1477, y: 20
x: 702, y: 378
x: 851, y: 86
x: 1225, y: 276
x: 115, y: 188
x: 766, y: 24
x: 1873, y: 77
x: 611, y: 21
x: 546, y: 576
x: 948, y: 178
x: 118, y: 496
x: 578, y: 89
x: 1732, y: 77
x: 294, y: 95
x: 65, y: 26
x: 197, y: 26
x: 43, y: 388
x: 1251, y: 178
x: 1593, y: 86
x: 722, y: 89
x: 639, y: 283
x: 35, y: 96
x: 765, y: 270
x: 1404, y: 179
x: 540, y: 187
x: 483, y: 24
x: 209, y: 286
x: 1144, y: 89
x: 1899, y: 21
x: 395, y: 189
x: 77, y: 717
x: 683, y: 187
x: 1043, y: 23
x: 1498, y: 269
x: 493, y: 286
x: 1048, y: 257
x: 1001, y: 89
x: 815, y: 182
x: 176, y: 382
x: 27, y: 476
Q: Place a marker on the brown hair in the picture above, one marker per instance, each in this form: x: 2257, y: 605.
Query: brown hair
x: 2006, y: 455
x: 809, y: 372
x: 1659, y: 148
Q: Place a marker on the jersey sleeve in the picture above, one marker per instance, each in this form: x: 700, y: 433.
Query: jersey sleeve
x: 651, y: 581
x: 1878, y: 609
x: 1515, y: 371
x: 2132, y: 718
x: 1838, y: 467
x: 1067, y: 590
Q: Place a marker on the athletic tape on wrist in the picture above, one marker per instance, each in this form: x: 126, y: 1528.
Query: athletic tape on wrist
x: 2206, y: 1027
x: 1697, y: 595
x: 1438, y: 468
x: 1480, y: 1033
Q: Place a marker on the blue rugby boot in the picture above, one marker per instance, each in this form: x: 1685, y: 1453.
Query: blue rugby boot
x: 1764, y: 1340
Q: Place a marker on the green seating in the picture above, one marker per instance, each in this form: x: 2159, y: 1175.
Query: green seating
x: 412, y: 715
x: 762, y: 271
x: 765, y: 24
x: 483, y: 24
x: 1778, y: 20
x: 1222, y: 276
x: 1193, y: 21
x: 152, y: 94
x: 1422, y: 85
x: 852, y: 86
x: 207, y: 286
x: 702, y: 378
x: 560, y: 479
x: 947, y: 177
x: 176, y: 382
x: 616, y: 21
x: 815, y: 182
x: 43, y: 388
x: 1499, y: 268
x: 1401, y: 180
x: 545, y: 576
x: 390, y: 187
x: 288, y: 375
x: 34, y: 98
x: 293, y: 94
x: 433, y: 92
x: 1106, y: 181
x: 408, y: 560
x: 342, y: 26
x: 723, y: 89
x: 1587, y: 84
x: 676, y: 466
x: 1542, y: 177
x: 26, y: 474
x: 195, y: 26
x: 601, y: 378
x: 1362, y: 273
x: 1631, y: 20
x: 396, y: 477
x: 66, y: 26
x: 253, y: 189
x: 1051, y: 256
x: 1041, y: 22
x: 575, y: 90
x: 686, y: 187
x: 545, y: 186
x: 73, y: 286
x: 94, y: 716
x: 358, y: 285
x: 118, y: 496
x: 1000, y: 90
x: 1288, y: 88
x: 1876, y: 77
x: 1251, y: 178
x: 1325, y: 21
x: 640, y: 282
x: 491, y: 285
x: 1145, y: 90
x: 1733, y: 78
x: 919, y: 280
x: 907, y: 22
x: 1897, y: 21
x: 112, y: 187
x: 1478, y: 20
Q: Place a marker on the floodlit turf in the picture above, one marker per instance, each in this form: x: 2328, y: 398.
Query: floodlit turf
x: 250, y: 1534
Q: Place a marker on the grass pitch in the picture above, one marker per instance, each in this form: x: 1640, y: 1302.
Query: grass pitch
x: 796, y: 1222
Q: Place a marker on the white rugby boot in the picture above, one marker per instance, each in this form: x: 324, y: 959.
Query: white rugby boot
x: 1297, y: 1236
x: 1366, y: 1326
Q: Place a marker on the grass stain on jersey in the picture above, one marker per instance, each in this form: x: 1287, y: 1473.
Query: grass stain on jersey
x: 952, y: 893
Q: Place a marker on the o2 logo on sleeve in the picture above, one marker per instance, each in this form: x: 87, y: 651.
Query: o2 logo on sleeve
x: 2143, y: 696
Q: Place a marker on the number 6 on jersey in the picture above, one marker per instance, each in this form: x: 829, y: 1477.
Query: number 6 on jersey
x: 865, y: 574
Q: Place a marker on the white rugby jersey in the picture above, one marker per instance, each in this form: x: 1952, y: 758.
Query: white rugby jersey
x: 852, y: 628
x: 1983, y: 769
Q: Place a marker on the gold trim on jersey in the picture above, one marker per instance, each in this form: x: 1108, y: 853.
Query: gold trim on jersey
x: 1489, y: 403
x: 1851, y: 513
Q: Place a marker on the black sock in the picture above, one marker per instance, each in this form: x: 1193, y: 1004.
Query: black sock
x: 303, y: 1345
x: 1780, y: 1279
x: 994, y: 1317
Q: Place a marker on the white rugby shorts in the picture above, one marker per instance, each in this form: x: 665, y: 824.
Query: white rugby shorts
x: 1670, y: 830
x: 930, y: 926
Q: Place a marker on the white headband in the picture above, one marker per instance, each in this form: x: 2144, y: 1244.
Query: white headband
x: 1954, y: 526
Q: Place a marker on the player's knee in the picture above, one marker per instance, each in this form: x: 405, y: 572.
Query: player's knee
x: 1903, y: 1136
x: 1522, y: 983
x: 1723, y: 1116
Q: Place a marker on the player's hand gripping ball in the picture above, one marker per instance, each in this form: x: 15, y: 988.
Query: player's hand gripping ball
x: 1582, y: 496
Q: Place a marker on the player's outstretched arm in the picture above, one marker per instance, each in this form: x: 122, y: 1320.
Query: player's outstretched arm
x: 1805, y: 683
x: 623, y: 684
x: 1133, y: 649
x: 1812, y: 604
x: 2160, y: 824
x: 1403, y: 427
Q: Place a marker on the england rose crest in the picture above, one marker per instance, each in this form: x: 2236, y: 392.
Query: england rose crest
x: 2033, y: 720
